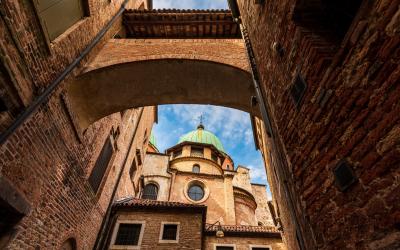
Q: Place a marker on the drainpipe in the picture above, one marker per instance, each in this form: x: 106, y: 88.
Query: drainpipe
x: 99, y: 244
x: 42, y: 98
x: 264, y: 112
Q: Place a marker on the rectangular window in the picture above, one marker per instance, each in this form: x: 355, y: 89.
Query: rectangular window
x: 260, y: 248
x: 177, y: 153
x: 3, y: 106
x: 58, y: 15
x: 214, y: 157
x: 138, y: 157
x: 197, y: 152
x: 101, y: 164
x: 128, y: 233
x: 13, y: 207
x: 330, y: 18
x: 224, y: 248
x: 298, y: 89
x: 169, y: 232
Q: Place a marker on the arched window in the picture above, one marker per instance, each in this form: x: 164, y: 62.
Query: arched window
x: 196, y: 192
x: 228, y: 167
x: 150, y: 192
x: 196, y: 168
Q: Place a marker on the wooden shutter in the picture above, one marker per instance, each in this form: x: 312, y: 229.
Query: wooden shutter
x: 101, y: 165
x: 58, y: 15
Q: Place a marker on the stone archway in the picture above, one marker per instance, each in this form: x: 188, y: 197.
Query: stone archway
x: 134, y: 73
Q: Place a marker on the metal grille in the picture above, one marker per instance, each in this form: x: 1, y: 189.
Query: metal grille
x: 150, y: 192
x: 196, y: 193
x: 101, y: 165
x: 128, y: 234
x: 169, y: 232
x: 298, y: 89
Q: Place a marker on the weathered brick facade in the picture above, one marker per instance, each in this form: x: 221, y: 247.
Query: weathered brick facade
x: 48, y: 160
x: 190, y: 220
x: 350, y: 111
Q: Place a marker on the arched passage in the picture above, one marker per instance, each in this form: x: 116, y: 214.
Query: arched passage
x: 127, y: 75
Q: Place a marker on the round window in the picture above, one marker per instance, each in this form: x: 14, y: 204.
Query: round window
x: 196, y: 192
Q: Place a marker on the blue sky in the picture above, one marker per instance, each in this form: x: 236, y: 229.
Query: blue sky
x: 190, y: 4
x: 232, y: 127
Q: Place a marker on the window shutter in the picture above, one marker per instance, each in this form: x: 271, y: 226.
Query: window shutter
x: 101, y: 165
x: 59, y: 15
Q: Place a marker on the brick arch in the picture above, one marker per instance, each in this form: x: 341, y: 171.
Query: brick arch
x: 117, y: 51
x: 134, y: 73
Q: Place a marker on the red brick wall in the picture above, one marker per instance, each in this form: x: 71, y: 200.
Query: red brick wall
x: 48, y: 159
x: 358, y: 122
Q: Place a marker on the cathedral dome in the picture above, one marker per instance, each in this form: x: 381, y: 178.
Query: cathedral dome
x: 200, y: 135
x: 153, y: 140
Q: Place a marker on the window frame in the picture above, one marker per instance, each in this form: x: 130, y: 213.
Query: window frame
x: 84, y: 5
x: 107, y: 168
x: 268, y: 247
x: 200, y: 183
x: 115, y: 233
x: 224, y: 245
x: 198, y: 149
x: 195, y: 185
x: 196, y: 166
x: 157, y: 189
x: 163, y: 223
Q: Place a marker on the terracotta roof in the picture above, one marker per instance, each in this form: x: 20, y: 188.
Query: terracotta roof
x: 244, y: 231
x: 134, y: 202
x: 240, y: 228
x: 173, y: 23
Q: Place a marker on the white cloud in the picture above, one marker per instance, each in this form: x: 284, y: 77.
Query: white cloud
x: 232, y: 126
x: 257, y: 173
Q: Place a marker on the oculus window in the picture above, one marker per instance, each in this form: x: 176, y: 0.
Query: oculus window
x: 196, y: 192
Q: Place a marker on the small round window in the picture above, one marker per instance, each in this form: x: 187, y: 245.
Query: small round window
x: 196, y: 192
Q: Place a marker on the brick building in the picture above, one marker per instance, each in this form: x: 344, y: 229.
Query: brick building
x: 56, y: 179
x: 194, y: 198
x: 319, y: 78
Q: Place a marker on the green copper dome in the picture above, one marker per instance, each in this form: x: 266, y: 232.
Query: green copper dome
x: 200, y: 135
x: 153, y: 140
